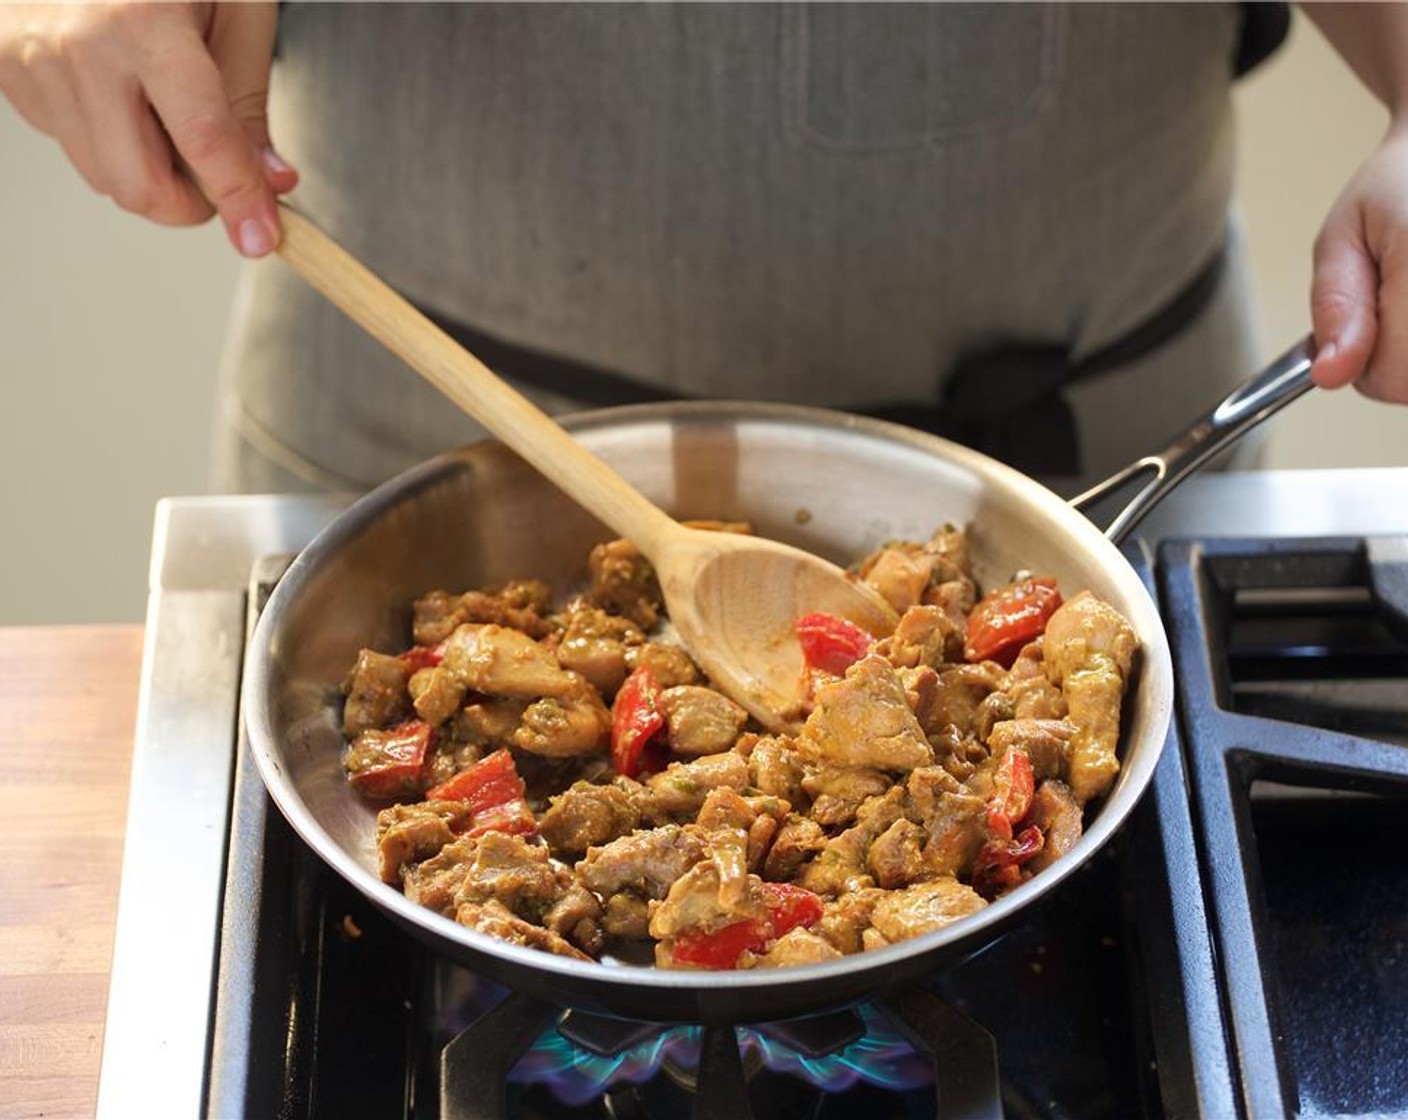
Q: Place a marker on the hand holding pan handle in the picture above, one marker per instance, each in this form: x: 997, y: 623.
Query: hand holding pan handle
x: 1269, y: 391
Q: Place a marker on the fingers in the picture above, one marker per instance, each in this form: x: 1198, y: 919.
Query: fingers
x: 1386, y: 378
x: 185, y: 88
x: 1343, y: 302
x: 242, y: 45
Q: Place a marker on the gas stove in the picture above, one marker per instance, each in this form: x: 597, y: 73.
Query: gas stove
x: 1242, y: 949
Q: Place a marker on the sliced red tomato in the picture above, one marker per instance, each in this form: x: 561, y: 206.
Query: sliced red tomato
x: 831, y: 644
x: 1007, y: 619
x: 998, y: 866
x: 788, y: 907
x: 636, y: 722
x: 390, y: 763
x: 1013, y: 786
x: 424, y: 657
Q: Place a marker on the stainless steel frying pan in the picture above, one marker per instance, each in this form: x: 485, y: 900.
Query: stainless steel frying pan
x: 833, y: 483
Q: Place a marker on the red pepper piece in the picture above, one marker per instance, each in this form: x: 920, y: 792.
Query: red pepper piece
x: 1013, y: 786
x: 424, y: 657
x: 636, y: 721
x: 998, y: 866
x: 495, y: 793
x: 390, y: 763
x: 787, y: 908
x: 831, y: 644
x: 1007, y: 619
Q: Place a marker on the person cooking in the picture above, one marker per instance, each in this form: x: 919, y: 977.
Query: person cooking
x: 1008, y: 224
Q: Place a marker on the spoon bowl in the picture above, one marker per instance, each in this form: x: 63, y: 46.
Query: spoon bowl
x: 733, y: 598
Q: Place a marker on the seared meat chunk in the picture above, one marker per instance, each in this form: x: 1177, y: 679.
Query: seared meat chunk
x: 577, y: 917
x: 1032, y: 694
x: 376, y: 693
x: 437, y: 694
x: 704, y: 900
x: 757, y: 818
x: 646, y: 862
x: 900, y: 573
x: 503, y: 662
x: 840, y: 866
x: 1057, y: 814
x: 798, y: 946
x: 594, y: 644
x: 922, y: 908
x: 434, y: 882
x: 408, y: 833
x: 680, y: 789
x: 519, y: 604
x: 896, y: 857
x: 699, y: 720
x: 953, y: 817
x: 496, y: 920
x: 960, y: 690
x: 774, y: 766
x: 670, y: 665
x: 572, y: 723
x: 487, y: 724
x: 837, y: 792
x: 588, y: 815
x: 624, y: 583
x: 515, y: 873
x: 797, y: 840
x: 844, y: 920
x: 1089, y: 650
x: 924, y: 635
x: 1044, y: 741
x: 864, y: 720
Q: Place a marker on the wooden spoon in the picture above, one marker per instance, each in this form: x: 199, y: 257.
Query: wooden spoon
x: 732, y: 598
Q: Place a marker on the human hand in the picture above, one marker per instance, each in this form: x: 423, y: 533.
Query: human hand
x: 159, y: 106
x: 1359, y: 291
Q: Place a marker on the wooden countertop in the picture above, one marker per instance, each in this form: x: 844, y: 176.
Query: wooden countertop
x: 68, y: 703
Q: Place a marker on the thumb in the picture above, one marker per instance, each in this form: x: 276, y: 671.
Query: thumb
x: 1343, y: 303
x: 241, y: 40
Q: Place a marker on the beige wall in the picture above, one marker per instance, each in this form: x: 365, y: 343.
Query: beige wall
x: 110, y: 331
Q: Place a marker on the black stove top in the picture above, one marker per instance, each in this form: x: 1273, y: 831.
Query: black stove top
x: 1239, y: 950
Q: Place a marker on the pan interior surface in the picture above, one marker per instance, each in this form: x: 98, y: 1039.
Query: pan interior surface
x: 834, y: 484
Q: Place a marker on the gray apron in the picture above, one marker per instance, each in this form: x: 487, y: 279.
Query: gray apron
x: 838, y: 205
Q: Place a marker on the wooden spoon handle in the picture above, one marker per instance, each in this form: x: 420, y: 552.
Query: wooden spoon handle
x: 467, y: 381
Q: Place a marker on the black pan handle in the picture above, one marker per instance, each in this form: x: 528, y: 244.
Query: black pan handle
x: 1266, y: 393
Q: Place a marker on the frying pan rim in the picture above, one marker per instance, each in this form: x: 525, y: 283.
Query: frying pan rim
x: 1155, y: 676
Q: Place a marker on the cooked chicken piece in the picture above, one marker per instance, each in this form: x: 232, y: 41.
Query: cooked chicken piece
x: 587, y: 815
x: 1057, y: 813
x: 449, y: 759
x: 436, y: 694
x: 496, y: 921
x: 626, y: 917
x: 572, y: 723
x: 577, y: 917
x: 840, y: 866
x: 864, y: 720
x: 623, y: 583
x: 838, y: 791
x: 924, y: 907
x: 646, y: 862
x: 960, y: 690
x: 1033, y: 694
x: 1089, y: 650
x: 844, y: 920
x: 519, y: 875
x: 504, y: 662
x: 408, y: 833
x: 798, y: 946
x: 434, y: 882
x: 956, y: 598
x: 700, y: 720
x: 487, y: 724
x: 670, y: 665
x: 956, y: 824
x: 896, y: 858
x: 797, y: 840
x: 949, y: 547
x: 519, y: 604
x: 1044, y: 741
x: 376, y: 693
x: 924, y: 635
x: 680, y: 789
x: 594, y: 644
x: 774, y: 766
x: 758, y: 818
x: 704, y: 899
x: 899, y: 574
